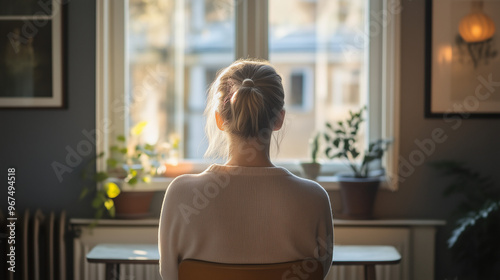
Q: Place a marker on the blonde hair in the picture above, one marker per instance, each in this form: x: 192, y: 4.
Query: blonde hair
x: 249, y: 97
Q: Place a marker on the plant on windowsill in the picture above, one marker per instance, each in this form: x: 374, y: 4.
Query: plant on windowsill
x: 129, y: 164
x: 357, y: 190
x: 311, y: 169
x: 473, y: 242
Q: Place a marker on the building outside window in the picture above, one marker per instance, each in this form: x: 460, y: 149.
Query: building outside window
x: 176, y: 47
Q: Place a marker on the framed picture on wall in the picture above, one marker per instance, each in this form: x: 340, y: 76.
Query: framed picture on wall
x: 462, y: 59
x: 31, y: 54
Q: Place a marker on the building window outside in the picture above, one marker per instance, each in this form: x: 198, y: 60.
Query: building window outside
x: 174, y: 54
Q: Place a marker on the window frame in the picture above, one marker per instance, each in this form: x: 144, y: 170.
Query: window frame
x: 251, y: 19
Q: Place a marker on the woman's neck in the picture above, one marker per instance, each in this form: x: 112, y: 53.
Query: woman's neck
x: 249, y: 152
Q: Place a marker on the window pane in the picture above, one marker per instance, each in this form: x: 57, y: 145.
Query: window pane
x: 318, y: 48
x: 175, y: 48
x: 296, y: 90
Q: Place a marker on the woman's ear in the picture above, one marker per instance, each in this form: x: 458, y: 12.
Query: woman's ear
x: 219, y: 121
x: 279, y: 121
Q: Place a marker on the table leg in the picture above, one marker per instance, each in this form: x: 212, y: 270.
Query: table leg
x: 370, y: 272
x: 112, y: 271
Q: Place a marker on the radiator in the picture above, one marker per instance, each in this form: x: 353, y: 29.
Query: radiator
x: 147, y: 231
x: 40, y: 250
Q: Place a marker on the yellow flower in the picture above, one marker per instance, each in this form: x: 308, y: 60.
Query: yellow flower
x: 109, y: 203
x: 112, y: 190
x: 174, y: 140
x: 138, y: 128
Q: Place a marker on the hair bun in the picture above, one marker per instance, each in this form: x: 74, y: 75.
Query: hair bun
x: 247, y: 83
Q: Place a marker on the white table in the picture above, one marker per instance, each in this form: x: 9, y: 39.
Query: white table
x: 368, y: 256
x: 115, y: 254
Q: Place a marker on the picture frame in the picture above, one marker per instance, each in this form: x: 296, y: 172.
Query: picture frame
x: 32, y: 52
x: 462, y: 78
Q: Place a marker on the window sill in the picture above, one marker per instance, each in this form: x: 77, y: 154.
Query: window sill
x: 336, y: 222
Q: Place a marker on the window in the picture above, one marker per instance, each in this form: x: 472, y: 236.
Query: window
x: 330, y: 54
x: 181, y: 44
x: 297, y: 91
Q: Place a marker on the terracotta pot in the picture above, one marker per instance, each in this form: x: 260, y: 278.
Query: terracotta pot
x: 133, y: 205
x: 358, y: 197
x: 310, y: 170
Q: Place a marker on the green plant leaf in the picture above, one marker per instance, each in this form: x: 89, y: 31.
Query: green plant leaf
x: 132, y: 181
x: 327, y: 152
x: 120, y: 138
x: 354, y: 153
x: 336, y: 142
x: 99, y: 213
x: 101, y: 176
x: 326, y: 136
x: 111, y: 162
x: 97, y: 202
x: 112, y: 211
x: 340, y: 154
x: 347, y: 144
x: 84, y: 193
x: 471, y: 219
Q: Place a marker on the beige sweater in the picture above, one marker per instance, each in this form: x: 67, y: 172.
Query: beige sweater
x: 232, y: 214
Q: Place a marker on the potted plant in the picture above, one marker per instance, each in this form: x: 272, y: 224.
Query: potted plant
x: 128, y: 163
x: 311, y: 169
x: 357, y: 190
x: 473, y: 240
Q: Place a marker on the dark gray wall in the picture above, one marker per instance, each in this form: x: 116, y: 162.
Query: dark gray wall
x: 31, y: 140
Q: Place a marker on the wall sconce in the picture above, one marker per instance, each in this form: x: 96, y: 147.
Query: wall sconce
x: 476, y: 30
x: 476, y: 26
